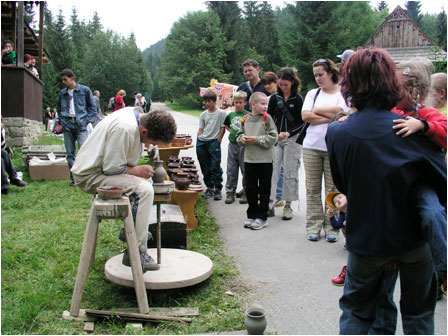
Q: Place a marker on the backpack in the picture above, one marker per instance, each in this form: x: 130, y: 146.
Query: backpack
x: 111, y: 104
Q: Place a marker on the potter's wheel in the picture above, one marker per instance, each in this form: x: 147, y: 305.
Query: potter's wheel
x: 166, y: 187
x: 179, y: 269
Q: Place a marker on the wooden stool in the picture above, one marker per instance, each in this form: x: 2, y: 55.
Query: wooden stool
x: 109, y: 209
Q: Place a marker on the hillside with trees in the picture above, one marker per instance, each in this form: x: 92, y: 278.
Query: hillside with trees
x: 212, y: 44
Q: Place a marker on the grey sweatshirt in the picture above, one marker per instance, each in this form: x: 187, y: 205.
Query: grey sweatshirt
x: 263, y: 149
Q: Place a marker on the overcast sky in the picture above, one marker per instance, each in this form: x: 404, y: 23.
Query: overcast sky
x: 151, y: 21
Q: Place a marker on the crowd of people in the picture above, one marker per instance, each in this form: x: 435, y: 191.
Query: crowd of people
x: 381, y: 152
x: 365, y: 130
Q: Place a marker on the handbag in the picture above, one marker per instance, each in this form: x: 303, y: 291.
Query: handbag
x: 302, y: 131
x: 58, y: 129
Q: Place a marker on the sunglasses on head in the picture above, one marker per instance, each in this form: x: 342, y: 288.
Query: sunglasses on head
x: 321, y: 61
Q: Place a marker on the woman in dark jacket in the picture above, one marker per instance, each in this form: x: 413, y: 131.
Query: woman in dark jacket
x: 285, y: 108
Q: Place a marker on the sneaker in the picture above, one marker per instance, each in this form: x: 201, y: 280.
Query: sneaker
x: 239, y: 193
x: 148, y: 263
x: 339, y: 280
x: 248, y: 223
x: 259, y: 224
x: 287, y: 213
x: 230, y: 198
x: 331, y: 238
x: 72, y: 184
x: 5, y: 191
x: 18, y: 182
x: 279, y: 203
x: 217, y: 196
x: 313, y: 237
x: 208, y: 193
x: 271, y: 212
x: 243, y: 198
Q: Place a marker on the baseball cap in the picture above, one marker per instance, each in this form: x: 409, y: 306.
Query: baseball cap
x: 346, y: 54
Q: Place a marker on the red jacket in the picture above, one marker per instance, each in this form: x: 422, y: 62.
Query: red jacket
x: 119, y: 102
x: 436, y: 122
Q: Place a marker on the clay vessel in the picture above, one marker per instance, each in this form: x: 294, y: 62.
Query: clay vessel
x: 182, y: 181
x: 109, y: 192
x: 255, y: 321
x: 159, y: 172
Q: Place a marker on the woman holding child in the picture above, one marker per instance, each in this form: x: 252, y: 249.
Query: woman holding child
x: 319, y: 109
x: 285, y: 108
x: 378, y: 172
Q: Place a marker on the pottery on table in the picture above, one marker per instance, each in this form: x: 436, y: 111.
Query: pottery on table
x: 159, y: 172
x: 255, y: 321
x: 182, y: 181
x: 109, y: 192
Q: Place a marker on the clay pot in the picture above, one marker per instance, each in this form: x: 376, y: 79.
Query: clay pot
x: 178, y: 142
x: 188, y: 140
x: 109, y: 192
x: 159, y: 172
x: 174, y: 165
x: 255, y: 321
x: 182, y: 181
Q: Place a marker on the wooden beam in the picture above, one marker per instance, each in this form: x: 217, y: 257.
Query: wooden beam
x: 14, y: 25
x: 20, y: 30
x: 134, y: 316
x: 41, y: 37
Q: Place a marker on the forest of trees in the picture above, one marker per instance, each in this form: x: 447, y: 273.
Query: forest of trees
x: 212, y: 44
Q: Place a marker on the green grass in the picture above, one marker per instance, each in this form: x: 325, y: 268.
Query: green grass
x: 183, y: 109
x: 42, y: 230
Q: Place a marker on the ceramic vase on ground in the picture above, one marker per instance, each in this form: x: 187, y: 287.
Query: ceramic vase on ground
x: 159, y: 172
x: 255, y: 321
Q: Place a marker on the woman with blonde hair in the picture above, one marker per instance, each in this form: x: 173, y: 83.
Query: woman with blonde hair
x: 119, y: 102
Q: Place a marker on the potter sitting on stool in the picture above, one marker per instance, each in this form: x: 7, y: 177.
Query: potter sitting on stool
x: 109, y: 157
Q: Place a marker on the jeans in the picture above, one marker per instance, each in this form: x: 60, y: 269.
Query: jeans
x: 7, y: 168
x: 209, y: 156
x: 433, y: 218
x: 287, y: 153
x: 367, y: 300
x: 258, y: 186
x: 73, y: 134
x: 278, y: 194
x: 235, y: 162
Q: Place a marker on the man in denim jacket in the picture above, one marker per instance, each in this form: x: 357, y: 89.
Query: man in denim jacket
x: 76, y: 109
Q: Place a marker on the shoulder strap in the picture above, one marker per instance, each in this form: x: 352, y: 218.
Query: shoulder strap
x: 249, y: 87
x: 315, y: 96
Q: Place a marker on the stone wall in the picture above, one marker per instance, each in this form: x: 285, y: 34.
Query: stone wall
x: 21, y: 131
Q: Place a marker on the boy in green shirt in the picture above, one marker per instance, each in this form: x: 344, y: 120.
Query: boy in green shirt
x: 235, y: 153
x: 258, y: 134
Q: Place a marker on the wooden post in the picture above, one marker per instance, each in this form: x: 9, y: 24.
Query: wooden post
x: 159, y: 234
x: 88, y: 247
x: 14, y: 26
x: 20, y: 29
x: 136, y: 265
x: 41, y: 37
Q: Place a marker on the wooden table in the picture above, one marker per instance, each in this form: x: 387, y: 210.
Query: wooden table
x: 166, y: 152
x: 186, y: 200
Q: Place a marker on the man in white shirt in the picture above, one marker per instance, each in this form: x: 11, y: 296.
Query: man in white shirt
x: 110, y: 156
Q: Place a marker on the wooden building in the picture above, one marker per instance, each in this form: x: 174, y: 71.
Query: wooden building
x: 21, y: 105
x: 403, y: 39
